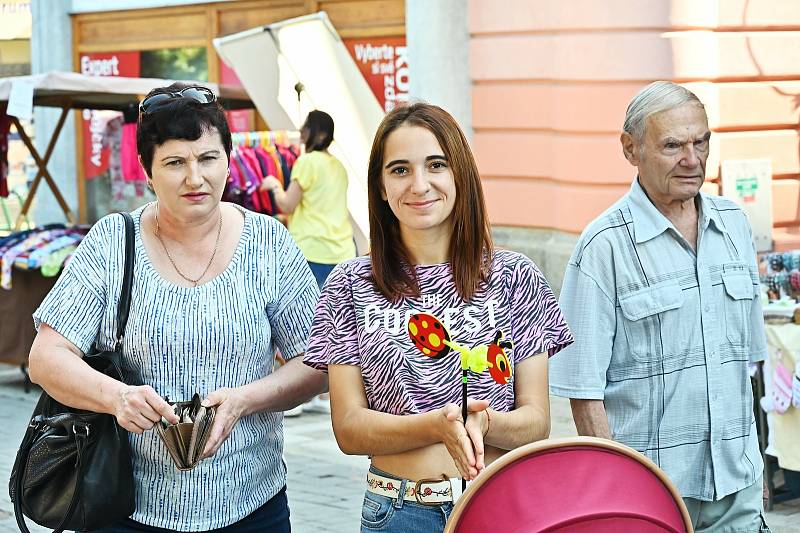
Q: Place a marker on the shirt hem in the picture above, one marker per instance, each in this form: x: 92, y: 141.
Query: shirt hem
x: 71, y: 335
x: 323, y: 366
x: 759, y: 356
x: 208, y: 525
x: 293, y: 351
x: 566, y: 392
x: 706, y: 498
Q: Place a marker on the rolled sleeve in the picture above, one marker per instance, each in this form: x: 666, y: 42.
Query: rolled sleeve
x: 579, y: 370
x: 76, y: 304
x: 73, y: 310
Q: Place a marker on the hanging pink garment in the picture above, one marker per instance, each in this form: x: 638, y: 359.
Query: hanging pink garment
x: 576, y: 485
x: 5, y: 126
x: 112, y: 139
x: 132, y: 171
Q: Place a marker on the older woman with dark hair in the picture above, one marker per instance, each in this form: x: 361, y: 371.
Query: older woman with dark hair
x: 389, y: 329
x: 216, y: 289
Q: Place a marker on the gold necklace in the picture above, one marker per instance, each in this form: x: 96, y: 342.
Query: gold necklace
x: 214, y: 253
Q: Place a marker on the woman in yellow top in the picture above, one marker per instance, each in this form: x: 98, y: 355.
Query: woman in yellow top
x: 316, y: 200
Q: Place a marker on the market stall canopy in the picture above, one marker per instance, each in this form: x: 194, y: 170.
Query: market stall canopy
x: 78, y: 91
x: 70, y: 90
x: 294, y: 66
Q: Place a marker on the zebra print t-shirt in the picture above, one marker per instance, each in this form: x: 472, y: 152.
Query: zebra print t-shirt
x: 409, y: 351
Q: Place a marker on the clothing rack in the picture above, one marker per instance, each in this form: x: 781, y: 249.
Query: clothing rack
x: 265, y: 138
x: 255, y: 156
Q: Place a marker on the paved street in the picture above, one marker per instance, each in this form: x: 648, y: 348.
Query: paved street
x: 325, y: 487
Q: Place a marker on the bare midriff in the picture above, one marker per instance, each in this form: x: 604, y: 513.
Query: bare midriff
x: 428, y: 462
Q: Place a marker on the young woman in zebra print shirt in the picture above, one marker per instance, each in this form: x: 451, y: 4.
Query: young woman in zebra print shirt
x: 389, y: 329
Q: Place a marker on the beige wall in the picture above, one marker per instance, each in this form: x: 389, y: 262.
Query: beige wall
x: 552, y: 79
x: 16, y: 51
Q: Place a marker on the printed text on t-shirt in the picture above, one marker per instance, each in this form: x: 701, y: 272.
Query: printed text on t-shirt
x: 394, y: 320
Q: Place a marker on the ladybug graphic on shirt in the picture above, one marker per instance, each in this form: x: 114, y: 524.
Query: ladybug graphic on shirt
x: 428, y: 334
x: 499, y: 367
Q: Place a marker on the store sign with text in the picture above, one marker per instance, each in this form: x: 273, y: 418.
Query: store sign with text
x: 383, y: 61
x: 95, y: 155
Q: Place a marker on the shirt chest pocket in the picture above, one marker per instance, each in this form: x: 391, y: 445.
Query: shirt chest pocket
x: 737, y: 301
x: 651, y: 321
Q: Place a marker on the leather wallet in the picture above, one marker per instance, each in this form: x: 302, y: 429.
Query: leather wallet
x: 186, y: 439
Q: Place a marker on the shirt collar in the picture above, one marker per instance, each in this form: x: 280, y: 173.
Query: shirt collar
x: 710, y: 214
x: 649, y: 222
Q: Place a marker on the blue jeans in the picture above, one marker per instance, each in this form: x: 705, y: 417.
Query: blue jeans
x: 273, y: 516
x: 321, y: 272
x: 395, y: 515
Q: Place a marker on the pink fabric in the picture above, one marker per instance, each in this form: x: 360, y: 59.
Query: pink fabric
x: 781, y: 388
x: 263, y: 199
x: 131, y: 169
x: 572, y: 490
x: 112, y: 139
x: 5, y: 126
x: 236, y: 175
x: 249, y: 157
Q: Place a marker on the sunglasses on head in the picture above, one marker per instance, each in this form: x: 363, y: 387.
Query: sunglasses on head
x: 155, y: 102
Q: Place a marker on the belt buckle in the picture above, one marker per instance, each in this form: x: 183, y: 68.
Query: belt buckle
x: 430, y: 480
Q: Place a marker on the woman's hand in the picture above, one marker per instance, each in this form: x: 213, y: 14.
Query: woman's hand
x: 465, y: 444
x: 231, y: 406
x: 270, y: 183
x: 138, y: 409
x: 477, y: 425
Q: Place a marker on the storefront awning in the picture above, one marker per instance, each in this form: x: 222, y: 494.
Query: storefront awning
x: 70, y: 90
x: 78, y: 91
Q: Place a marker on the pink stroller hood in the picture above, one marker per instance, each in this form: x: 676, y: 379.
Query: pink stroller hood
x: 571, y: 486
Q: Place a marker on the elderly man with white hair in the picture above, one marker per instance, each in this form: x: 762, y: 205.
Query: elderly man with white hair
x: 662, y: 296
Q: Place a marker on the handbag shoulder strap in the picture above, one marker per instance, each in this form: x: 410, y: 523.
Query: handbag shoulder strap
x: 124, y: 305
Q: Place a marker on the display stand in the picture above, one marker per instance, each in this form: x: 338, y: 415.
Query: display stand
x: 777, y: 432
x: 16, y: 307
x: 41, y: 163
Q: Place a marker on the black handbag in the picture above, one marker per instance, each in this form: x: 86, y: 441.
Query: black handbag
x: 73, y: 469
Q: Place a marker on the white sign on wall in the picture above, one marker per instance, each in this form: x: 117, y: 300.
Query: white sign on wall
x: 748, y: 182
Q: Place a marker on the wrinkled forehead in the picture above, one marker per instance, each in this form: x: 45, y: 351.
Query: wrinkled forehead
x: 208, y: 141
x: 686, y: 121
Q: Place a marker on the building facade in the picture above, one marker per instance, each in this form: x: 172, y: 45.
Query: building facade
x: 541, y: 87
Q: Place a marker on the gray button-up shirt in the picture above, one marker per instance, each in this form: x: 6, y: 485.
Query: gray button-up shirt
x: 664, y: 335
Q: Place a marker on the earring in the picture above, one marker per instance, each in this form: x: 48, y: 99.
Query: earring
x: 150, y: 185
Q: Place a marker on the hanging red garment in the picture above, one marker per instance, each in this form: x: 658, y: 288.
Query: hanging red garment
x: 132, y: 171
x: 288, y: 155
x: 269, y: 162
x: 5, y: 127
x: 266, y: 200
